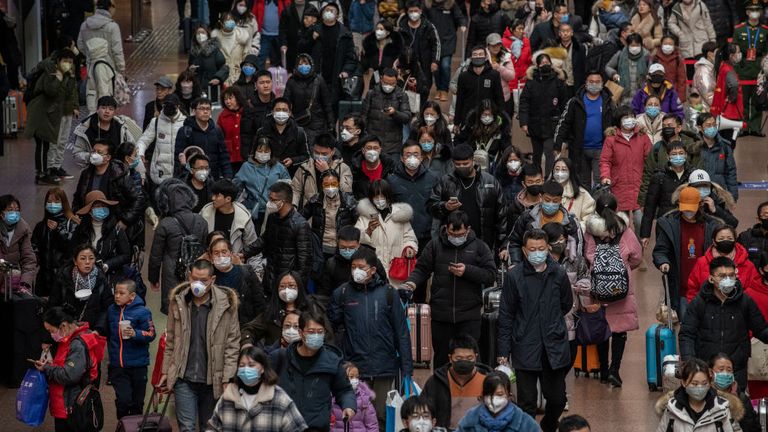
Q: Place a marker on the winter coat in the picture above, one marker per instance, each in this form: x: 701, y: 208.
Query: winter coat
x: 254, y: 179
x: 542, y: 101
x: 19, y: 251
x: 365, y: 415
x: 658, y: 201
x: 746, y: 272
x: 376, y: 339
x: 473, y: 88
x: 414, y: 191
x: 360, y: 181
x: 113, y: 247
x: 89, y: 129
x: 479, y: 419
x: 490, y: 197
x: 312, y: 389
x: 621, y: 314
x: 437, y: 389
x: 392, y: 236
x: 361, y: 16
x: 49, y: 105
x: 648, y: 29
x: 338, y: 270
x: 704, y: 81
x: 650, y: 127
x: 118, y: 186
x: 175, y: 201
x: 93, y: 310
x: 720, y: 411
x: 674, y: 70
x: 711, y: 327
x: 455, y: 299
x: 316, y: 213
x: 580, y: 207
x: 389, y: 128
x: 370, y: 56
x: 306, y: 180
x: 532, y: 317
x: 692, y: 28
x: 292, y: 143
x: 622, y: 162
x: 573, y: 120
x: 670, y: 100
x: 755, y: 240
x: 210, y: 62
x: 658, y: 160
x: 719, y: 163
x: 211, y: 140
x: 51, y: 249
x: 728, y: 99
x: 222, y: 333
x: 628, y: 67
x: 447, y: 17
x: 133, y: 352
x: 163, y: 131
x: 101, y: 25
x: 238, y: 130
x: 424, y: 40
x: 234, y: 46
x: 242, y: 232
x: 311, y: 95
x: 249, y: 292
x: 273, y: 411
x: 533, y: 219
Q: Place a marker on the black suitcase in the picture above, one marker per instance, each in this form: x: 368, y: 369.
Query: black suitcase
x: 22, y: 314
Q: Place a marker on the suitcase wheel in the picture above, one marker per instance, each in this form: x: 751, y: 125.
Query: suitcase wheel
x: 653, y: 387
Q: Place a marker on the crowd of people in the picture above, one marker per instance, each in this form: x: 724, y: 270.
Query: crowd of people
x: 276, y: 213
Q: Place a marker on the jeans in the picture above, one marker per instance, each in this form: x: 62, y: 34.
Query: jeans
x: 56, y: 151
x: 544, y: 148
x: 443, y: 74
x: 552, y: 388
x: 380, y: 387
x: 591, y: 167
x: 194, y: 403
x: 270, y: 49
x: 443, y: 332
x: 130, y: 384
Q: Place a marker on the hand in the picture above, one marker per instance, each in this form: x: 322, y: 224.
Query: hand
x: 664, y: 268
x: 409, y: 252
x: 462, y: 28
x: 504, y: 255
x: 501, y: 360
x: 708, y: 204
x: 452, y: 204
x: 76, y: 113
x: 616, y: 77
x: 434, y: 67
x: 645, y: 241
x: 606, y: 181
x: 457, y: 269
x: 524, y: 128
x: 214, y: 82
x: 182, y: 158
x: 122, y: 225
x: 155, y: 286
x: 343, y: 75
x: 321, y: 165
x: 348, y: 413
x: 284, y: 48
x: 287, y: 162
x: 52, y: 224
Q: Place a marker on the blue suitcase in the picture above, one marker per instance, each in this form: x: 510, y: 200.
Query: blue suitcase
x: 659, y: 342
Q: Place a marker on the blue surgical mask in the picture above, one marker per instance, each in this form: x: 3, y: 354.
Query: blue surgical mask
x: 652, y: 111
x: 12, y: 217
x: 230, y: 24
x: 315, y: 341
x: 248, y: 375
x: 677, y: 160
x: 710, y: 132
x: 100, y: 213
x: 704, y: 191
x: 347, y: 253
x: 723, y: 380
x: 549, y: 209
x: 53, y: 208
x: 427, y: 147
x: 537, y: 257
x: 249, y: 70
x: 134, y: 164
x: 304, y: 69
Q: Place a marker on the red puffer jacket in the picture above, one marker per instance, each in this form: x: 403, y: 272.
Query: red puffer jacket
x: 745, y: 271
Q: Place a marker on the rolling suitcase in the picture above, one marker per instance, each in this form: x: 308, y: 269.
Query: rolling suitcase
x: 419, y: 319
x: 150, y: 421
x: 489, y: 322
x: 587, y: 361
x: 659, y: 343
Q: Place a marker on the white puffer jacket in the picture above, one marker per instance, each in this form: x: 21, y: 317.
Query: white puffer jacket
x: 162, y: 130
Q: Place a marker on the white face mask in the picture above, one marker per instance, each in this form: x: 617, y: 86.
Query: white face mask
x: 331, y: 192
x: 430, y: 120
x: 223, y: 262
x: 288, y: 295
x: 560, y: 176
x: 346, y: 135
x: 201, y: 175
x: 420, y: 425
x: 495, y: 403
x: 371, y: 156
x: 359, y: 275
x: 262, y: 157
x: 380, y: 34
x: 514, y: 166
x: 635, y: 50
x: 380, y: 203
x: 486, y: 119
x: 291, y: 335
x: 412, y: 162
x: 667, y: 49
x: 201, y: 37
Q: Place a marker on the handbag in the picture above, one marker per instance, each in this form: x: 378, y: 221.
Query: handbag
x: 32, y: 398
x: 401, y: 267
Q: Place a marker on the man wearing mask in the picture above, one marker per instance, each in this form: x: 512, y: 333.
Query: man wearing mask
x: 421, y: 36
x: 455, y: 387
x: 535, y: 298
x: 163, y: 87
x: 721, y: 318
x: 263, y: 99
x: 201, y: 131
x: 460, y: 265
x: 752, y: 39
x: 477, y: 193
x: 310, y: 363
x: 386, y: 111
x: 203, y: 342
x: 478, y: 82
x: 366, y: 306
x: 682, y: 236
x: 546, y: 33
x: 338, y: 267
x: 290, y: 141
x: 369, y: 165
x: 352, y: 128
x: 102, y: 124
x: 755, y: 239
x: 339, y: 58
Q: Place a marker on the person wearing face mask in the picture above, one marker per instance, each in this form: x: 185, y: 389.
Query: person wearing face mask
x: 724, y: 244
x: 161, y: 131
x: 313, y: 363
x: 235, y: 41
x: 15, y: 240
x: 422, y: 37
x: 691, y: 21
x: 496, y: 412
x: 386, y: 110
x: 274, y: 326
x: 175, y: 202
x: 255, y: 176
x: 352, y: 129
x: 365, y: 420
x: 254, y: 401
x: 368, y: 165
x: 455, y: 387
x: 476, y: 83
x: 752, y: 40
x: 628, y: 67
x: 739, y: 401
x: 541, y: 103
x: 50, y: 238
x: 717, y: 157
x: 367, y: 305
x: 208, y: 61
x: 202, y: 342
x: 695, y: 405
x: 657, y: 85
x: 307, y: 182
x: 290, y: 141
x: 682, y: 236
x: 576, y: 199
x: 329, y: 210
x: 241, y: 278
x: 310, y: 97
x: 337, y: 268
x: 755, y: 239
x: 721, y: 318
x: 669, y: 56
x: 536, y: 295
x: 460, y: 264
x: 714, y: 199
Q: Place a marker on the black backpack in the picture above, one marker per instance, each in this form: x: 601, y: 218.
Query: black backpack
x: 191, y: 249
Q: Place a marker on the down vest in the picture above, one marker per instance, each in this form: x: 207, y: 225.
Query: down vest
x: 162, y: 131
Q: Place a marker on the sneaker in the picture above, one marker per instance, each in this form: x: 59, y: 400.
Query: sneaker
x: 62, y: 174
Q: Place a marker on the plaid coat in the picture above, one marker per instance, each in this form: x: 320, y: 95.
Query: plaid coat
x: 273, y: 411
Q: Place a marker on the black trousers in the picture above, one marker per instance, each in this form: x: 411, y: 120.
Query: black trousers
x: 443, y: 332
x: 130, y: 385
x: 552, y: 388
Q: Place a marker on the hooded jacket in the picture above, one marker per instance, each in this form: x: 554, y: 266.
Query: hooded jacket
x: 89, y: 129
x: 533, y: 219
x: 273, y: 410
x: 414, y: 191
x: 745, y: 271
x: 209, y: 60
x: 542, y: 101
x: 311, y: 99
x: 118, y: 186
x: 455, y: 299
x: 101, y: 25
x: 133, y: 352
x: 438, y: 390
x: 312, y: 389
x: 472, y: 88
x: 365, y: 415
x: 719, y: 411
x: 163, y: 131
x: 394, y: 233
x: 622, y: 162
x: 694, y: 29
x: 211, y: 140
x: 389, y: 128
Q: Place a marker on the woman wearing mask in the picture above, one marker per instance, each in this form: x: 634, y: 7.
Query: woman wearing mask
x: 236, y: 122
x: 266, y: 328
x: 435, y: 156
x: 695, y: 405
x: 487, y: 130
x: 235, y: 43
x: 495, y: 412
x: 674, y: 64
x: 380, y: 49
x: 646, y: 23
x: 607, y: 231
x: 740, y: 404
x: 628, y: 67
x: 83, y: 286
x: 365, y: 415
x: 328, y: 211
x: 724, y: 244
x: 576, y: 199
x: 207, y: 61
x: 240, y: 278
x: 310, y: 98
x: 254, y: 401
x: 255, y: 177
x: 16, y: 243
x: 187, y: 89
x: 385, y: 225
x: 51, y: 239
x: 649, y: 122
x: 431, y: 118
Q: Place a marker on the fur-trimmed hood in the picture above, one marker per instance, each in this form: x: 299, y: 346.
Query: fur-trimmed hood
x: 724, y: 198
x: 173, y: 196
x: 401, y: 212
x: 595, y: 224
x: 735, y: 406
x: 206, y: 49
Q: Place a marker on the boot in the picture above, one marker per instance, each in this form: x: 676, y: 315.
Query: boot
x: 618, y: 342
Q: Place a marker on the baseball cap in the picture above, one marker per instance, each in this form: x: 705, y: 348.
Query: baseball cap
x: 689, y: 199
x: 164, y: 82
x: 493, y: 39
x: 699, y: 176
x: 656, y: 67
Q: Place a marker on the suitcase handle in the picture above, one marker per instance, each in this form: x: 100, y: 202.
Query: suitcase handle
x: 143, y: 423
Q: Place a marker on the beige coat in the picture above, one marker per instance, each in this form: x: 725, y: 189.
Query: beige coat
x: 692, y: 28
x: 649, y: 30
x: 307, y: 171
x: 222, y: 335
x: 580, y: 207
x: 394, y: 234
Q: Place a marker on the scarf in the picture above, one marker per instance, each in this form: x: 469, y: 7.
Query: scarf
x: 498, y: 423
x: 84, y: 282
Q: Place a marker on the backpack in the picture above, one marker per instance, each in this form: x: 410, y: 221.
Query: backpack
x: 610, y: 279
x: 191, y: 249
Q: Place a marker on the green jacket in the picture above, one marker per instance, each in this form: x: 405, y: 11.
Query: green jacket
x: 657, y: 160
x: 744, y: 37
x: 52, y: 100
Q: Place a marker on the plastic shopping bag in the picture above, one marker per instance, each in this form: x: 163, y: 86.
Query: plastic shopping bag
x: 32, y: 398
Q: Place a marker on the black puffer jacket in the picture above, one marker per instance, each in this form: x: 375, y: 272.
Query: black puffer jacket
x: 754, y: 239
x: 93, y: 310
x: 249, y: 292
x: 52, y: 248
x: 119, y: 187
x: 292, y: 143
x: 658, y: 199
x: 314, y: 212
x: 211, y: 140
x: 542, y: 101
x: 493, y: 209
x: 455, y: 299
x: 711, y: 326
x: 301, y: 90
x: 438, y: 391
x: 287, y: 246
x: 112, y: 248
x: 414, y: 191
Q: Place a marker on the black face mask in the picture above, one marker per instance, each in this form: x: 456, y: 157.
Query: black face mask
x: 463, y: 367
x: 725, y: 246
x: 667, y: 132
x: 535, y: 189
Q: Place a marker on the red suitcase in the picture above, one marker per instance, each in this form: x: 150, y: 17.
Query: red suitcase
x: 420, y: 323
